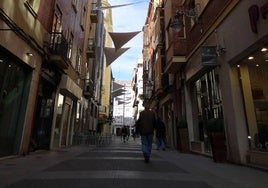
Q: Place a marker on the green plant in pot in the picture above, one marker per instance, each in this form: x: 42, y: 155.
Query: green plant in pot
x: 182, y: 124
x: 215, y: 125
x: 215, y: 129
x: 183, y: 143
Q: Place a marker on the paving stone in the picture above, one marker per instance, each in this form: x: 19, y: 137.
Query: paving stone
x: 121, y: 165
x: 115, y: 164
x: 111, y: 183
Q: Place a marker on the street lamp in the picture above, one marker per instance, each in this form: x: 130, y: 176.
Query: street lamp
x: 177, y: 23
x: 148, y: 91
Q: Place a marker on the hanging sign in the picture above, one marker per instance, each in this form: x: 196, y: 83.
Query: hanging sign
x: 209, y: 55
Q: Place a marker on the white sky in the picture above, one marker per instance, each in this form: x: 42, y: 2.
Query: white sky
x: 128, y: 19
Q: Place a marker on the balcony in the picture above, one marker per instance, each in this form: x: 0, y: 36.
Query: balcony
x: 88, y: 91
x: 102, y: 109
x: 176, y: 56
x: 91, y: 48
x: 94, y: 13
x: 103, y: 116
x: 158, y: 74
x: 159, y: 29
x: 58, y: 50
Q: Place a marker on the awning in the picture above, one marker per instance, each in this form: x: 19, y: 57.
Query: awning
x: 118, y: 92
x: 120, y: 39
x: 123, y: 102
x: 112, y: 54
x: 117, y: 86
x: 116, y: 6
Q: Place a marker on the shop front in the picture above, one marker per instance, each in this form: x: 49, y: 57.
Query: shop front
x: 252, y: 70
x: 47, y: 89
x: 67, y: 105
x: 243, y: 83
x: 15, y: 79
x: 234, y: 89
x: 166, y: 110
x: 204, y: 105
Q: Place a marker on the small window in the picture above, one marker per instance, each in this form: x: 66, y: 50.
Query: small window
x: 83, y: 18
x: 74, y: 5
x: 32, y: 6
x: 70, y: 38
x: 200, y: 6
x: 78, y: 61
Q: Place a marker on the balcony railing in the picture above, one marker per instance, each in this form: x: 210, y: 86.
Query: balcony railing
x: 94, y: 13
x: 91, y: 48
x: 88, y: 88
x: 58, y: 50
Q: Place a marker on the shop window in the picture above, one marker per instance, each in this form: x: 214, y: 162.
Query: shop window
x: 13, y: 87
x: 56, y: 132
x: 78, y: 119
x: 258, y: 78
x: 207, y: 98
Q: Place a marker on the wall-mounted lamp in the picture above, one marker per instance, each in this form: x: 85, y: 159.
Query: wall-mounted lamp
x: 29, y: 54
x: 150, y: 84
x: 177, y: 23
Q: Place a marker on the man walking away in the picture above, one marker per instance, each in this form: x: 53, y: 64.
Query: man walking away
x: 124, y: 133
x: 145, y: 126
x: 160, y: 134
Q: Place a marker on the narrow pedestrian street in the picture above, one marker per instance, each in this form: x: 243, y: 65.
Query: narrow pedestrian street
x: 121, y: 165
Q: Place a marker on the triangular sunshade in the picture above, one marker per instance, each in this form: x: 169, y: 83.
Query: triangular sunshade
x: 123, y: 102
x: 117, y: 86
x: 118, y: 92
x: 112, y: 54
x: 117, y: 6
x: 120, y: 39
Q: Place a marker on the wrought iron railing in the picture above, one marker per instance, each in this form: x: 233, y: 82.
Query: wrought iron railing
x: 89, y: 88
x: 59, y: 45
x: 91, y: 44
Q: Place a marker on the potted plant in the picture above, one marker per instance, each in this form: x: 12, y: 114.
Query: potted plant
x: 182, y: 124
x: 215, y: 125
x: 182, y: 136
x: 215, y: 130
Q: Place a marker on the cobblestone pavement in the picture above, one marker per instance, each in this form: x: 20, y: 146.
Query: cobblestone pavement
x: 121, y: 165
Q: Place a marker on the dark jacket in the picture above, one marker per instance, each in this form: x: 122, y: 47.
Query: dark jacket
x: 124, y: 131
x: 146, y: 122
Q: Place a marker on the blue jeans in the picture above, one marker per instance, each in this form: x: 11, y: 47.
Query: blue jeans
x: 146, y: 143
x: 161, y: 143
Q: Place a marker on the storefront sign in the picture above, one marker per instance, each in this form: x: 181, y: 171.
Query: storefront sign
x: 254, y: 12
x: 208, y: 55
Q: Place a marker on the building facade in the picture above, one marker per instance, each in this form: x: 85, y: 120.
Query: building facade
x: 46, y: 73
x: 214, y: 72
x: 21, y: 62
x: 137, y: 85
x: 159, y: 87
x: 105, y: 110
